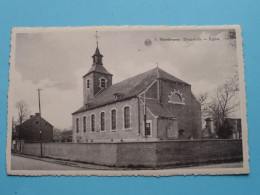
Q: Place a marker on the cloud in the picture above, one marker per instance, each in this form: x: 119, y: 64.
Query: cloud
x: 56, y: 104
x: 56, y: 62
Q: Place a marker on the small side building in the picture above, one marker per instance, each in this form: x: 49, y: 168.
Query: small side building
x: 210, y: 131
x: 35, y: 129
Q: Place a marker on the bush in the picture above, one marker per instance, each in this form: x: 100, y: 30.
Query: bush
x: 225, y: 130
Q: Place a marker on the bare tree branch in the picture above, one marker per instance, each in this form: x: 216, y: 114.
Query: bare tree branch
x: 224, y: 103
x: 23, y: 111
x: 202, y: 99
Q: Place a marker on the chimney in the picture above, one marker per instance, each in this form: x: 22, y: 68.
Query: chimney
x: 37, y: 114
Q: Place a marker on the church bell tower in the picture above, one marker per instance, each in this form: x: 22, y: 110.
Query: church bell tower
x: 97, y: 78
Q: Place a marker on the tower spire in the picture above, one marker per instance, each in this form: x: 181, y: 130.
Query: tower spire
x: 97, y: 37
x: 97, y: 57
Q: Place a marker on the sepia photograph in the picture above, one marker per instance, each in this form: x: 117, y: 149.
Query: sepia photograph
x: 127, y: 100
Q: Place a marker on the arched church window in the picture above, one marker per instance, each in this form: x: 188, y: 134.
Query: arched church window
x: 176, y: 97
x: 102, y: 121
x: 92, y: 122
x: 103, y: 83
x: 77, y: 125
x: 84, y: 123
x: 126, y: 117
x: 113, y: 119
x: 88, y: 83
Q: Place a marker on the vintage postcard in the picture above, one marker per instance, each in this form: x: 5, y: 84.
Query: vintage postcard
x: 127, y: 100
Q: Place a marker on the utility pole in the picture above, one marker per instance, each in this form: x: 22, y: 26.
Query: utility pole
x: 145, y: 130
x: 39, y: 98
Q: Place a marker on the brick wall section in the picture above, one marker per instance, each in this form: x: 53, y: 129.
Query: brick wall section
x: 149, y: 117
x: 189, y: 117
x: 97, y: 77
x: 29, y: 131
x: 142, y: 154
x: 102, y: 154
x: 108, y: 134
x: 94, y: 85
x: 88, y: 93
x: 33, y: 149
x: 136, y: 154
x: 162, y: 125
x: 179, y: 152
x: 152, y: 92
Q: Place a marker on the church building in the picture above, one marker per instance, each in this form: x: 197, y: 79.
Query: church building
x: 150, y: 106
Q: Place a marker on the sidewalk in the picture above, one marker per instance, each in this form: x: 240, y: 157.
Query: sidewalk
x: 20, y: 162
x: 72, y: 164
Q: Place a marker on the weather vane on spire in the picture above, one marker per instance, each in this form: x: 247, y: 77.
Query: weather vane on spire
x: 97, y: 37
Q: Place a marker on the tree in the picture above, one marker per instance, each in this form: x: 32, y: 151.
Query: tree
x: 202, y: 99
x: 23, y: 111
x: 225, y: 130
x: 225, y: 101
x: 57, y: 134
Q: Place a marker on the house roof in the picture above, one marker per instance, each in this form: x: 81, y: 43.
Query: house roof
x: 37, y: 115
x: 158, y: 109
x: 130, y: 88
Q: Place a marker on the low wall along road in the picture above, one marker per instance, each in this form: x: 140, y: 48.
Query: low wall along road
x: 141, y: 154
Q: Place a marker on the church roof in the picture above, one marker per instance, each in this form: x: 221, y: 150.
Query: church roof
x: 97, y: 64
x: 129, y: 88
x: 97, y: 68
x: 158, y: 109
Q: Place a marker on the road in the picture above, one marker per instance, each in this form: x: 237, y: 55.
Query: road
x: 37, y: 163
x: 22, y: 163
x: 222, y: 165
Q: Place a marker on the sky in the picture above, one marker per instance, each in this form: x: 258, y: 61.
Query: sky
x: 55, y: 62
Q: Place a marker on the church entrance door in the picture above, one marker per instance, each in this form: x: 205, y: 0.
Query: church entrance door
x: 171, y: 130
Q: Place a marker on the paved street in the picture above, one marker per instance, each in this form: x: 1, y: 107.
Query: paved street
x: 222, y: 165
x: 37, y: 163
x: 22, y: 163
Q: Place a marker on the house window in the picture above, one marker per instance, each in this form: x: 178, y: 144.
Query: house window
x: 113, y: 119
x: 93, y: 122
x: 103, y: 83
x: 88, y: 83
x: 102, y: 121
x: 127, y: 117
x: 77, y: 125
x: 84, y: 123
